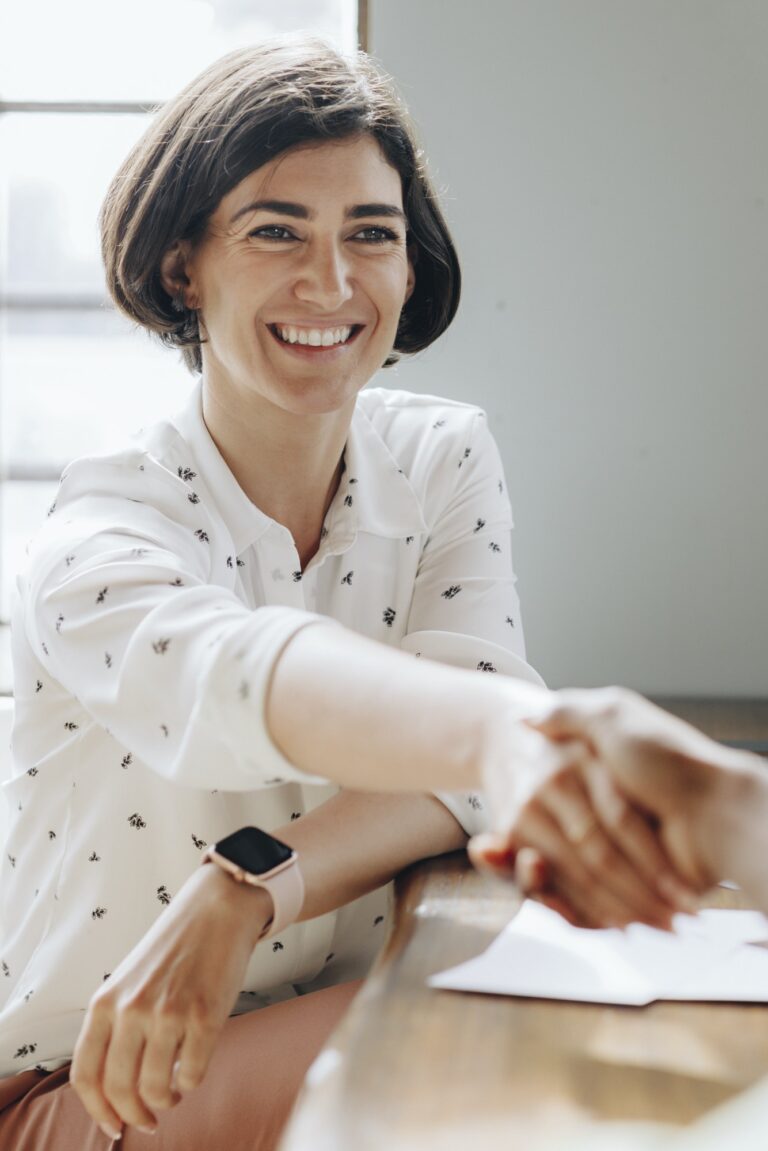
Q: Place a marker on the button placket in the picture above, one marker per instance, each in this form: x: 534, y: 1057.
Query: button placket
x: 281, y: 570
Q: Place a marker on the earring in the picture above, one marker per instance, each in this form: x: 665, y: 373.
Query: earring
x: 177, y: 301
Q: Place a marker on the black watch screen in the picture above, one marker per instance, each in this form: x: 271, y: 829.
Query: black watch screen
x: 254, y: 850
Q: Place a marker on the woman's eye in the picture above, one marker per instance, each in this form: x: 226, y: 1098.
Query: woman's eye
x: 271, y: 232
x: 376, y: 235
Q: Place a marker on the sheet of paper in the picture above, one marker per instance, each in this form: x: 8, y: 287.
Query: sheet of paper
x: 715, y: 955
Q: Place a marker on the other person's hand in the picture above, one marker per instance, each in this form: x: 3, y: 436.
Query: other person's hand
x: 151, y: 1029
x: 696, y: 791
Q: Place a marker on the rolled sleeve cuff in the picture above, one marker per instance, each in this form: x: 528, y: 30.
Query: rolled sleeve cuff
x: 468, y: 809
x: 471, y: 653
x: 234, y: 708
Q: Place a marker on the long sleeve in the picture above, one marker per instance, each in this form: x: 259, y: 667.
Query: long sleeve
x: 125, y: 609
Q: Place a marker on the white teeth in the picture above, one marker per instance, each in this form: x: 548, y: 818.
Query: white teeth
x: 315, y: 337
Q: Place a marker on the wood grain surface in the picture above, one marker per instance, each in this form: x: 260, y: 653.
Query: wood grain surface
x: 414, y: 1067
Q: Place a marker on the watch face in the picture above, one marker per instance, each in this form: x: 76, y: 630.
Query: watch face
x: 254, y: 850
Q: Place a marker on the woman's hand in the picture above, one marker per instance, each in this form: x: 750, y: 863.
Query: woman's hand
x: 150, y: 1031
x: 565, y: 831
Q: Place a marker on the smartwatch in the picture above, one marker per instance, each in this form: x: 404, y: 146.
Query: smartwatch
x: 251, y: 855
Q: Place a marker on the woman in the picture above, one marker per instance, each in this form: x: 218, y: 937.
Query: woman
x: 181, y: 673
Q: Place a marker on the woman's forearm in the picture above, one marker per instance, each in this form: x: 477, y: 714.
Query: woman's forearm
x: 349, y: 845
x: 358, y: 841
x: 368, y: 716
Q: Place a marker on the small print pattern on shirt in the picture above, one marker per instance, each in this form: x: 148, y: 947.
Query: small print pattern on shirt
x: 155, y: 604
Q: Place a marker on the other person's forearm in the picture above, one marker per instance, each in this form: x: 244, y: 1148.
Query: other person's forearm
x: 733, y: 825
x: 367, y: 716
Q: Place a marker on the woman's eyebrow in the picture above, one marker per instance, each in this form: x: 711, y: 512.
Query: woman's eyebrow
x: 279, y: 207
x: 301, y: 212
x: 362, y: 211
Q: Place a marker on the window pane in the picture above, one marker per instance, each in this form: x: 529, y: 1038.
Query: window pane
x: 145, y: 50
x: 77, y: 383
x: 56, y: 170
x: 22, y: 507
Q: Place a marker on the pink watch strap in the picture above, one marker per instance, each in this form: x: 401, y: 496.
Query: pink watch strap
x: 287, y: 891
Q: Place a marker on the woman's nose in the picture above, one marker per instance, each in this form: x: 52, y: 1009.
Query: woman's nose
x: 324, y: 279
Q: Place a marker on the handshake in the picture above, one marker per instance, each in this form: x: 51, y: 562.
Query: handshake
x: 617, y: 811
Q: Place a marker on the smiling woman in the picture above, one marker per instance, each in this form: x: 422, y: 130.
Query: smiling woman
x: 218, y: 625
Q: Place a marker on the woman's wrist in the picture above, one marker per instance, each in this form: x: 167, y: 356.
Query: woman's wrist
x: 248, y: 909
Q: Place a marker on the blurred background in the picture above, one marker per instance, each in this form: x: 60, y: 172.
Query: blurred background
x: 603, y: 165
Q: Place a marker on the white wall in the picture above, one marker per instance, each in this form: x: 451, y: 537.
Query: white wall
x: 604, y: 167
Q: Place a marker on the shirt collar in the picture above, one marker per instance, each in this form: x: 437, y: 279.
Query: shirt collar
x: 374, y: 494
x: 245, y: 521
x: 383, y: 501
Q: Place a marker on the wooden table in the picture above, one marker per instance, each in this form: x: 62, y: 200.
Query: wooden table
x: 411, y: 1067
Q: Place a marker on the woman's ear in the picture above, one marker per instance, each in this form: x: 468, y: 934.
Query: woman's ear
x: 174, y: 274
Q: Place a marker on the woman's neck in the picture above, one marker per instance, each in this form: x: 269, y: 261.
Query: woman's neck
x: 288, y: 465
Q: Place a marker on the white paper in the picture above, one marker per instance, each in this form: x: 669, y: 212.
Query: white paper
x: 715, y: 955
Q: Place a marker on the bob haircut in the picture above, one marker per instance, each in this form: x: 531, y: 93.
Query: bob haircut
x: 241, y: 112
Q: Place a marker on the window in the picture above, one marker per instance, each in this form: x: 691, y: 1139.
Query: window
x: 73, y: 374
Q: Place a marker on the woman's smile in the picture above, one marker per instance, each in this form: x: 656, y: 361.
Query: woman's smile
x: 326, y: 342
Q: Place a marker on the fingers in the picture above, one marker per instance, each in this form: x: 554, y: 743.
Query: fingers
x: 535, y: 878
x: 494, y: 854
x: 195, y: 1054
x: 156, y: 1077
x: 85, y: 1074
x: 640, y: 842
x: 121, y: 1074
x: 526, y: 868
x: 602, y: 852
x: 575, y: 713
x: 592, y: 899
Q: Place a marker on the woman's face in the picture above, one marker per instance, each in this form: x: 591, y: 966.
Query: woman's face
x: 301, y: 276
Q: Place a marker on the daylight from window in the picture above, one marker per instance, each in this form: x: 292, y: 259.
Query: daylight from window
x: 74, y: 376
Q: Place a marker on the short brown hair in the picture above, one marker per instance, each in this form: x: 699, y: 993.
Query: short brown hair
x: 240, y: 113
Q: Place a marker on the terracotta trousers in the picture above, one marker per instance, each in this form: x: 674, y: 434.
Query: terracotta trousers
x: 242, y: 1105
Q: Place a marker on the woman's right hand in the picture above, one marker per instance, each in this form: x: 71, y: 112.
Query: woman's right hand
x: 151, y: 1029
x: 564, y: 829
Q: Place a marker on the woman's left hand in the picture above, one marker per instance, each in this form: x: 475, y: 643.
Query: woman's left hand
x: 150, y: 1030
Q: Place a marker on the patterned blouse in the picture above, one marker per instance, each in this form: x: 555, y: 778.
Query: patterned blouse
x: 156, y: 601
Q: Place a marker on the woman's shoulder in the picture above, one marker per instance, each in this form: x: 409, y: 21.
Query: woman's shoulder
x: 414, y: 423
x: 139, y: 489
x: 420, y: 409
x: 434, y: 441
x: 144, y: 459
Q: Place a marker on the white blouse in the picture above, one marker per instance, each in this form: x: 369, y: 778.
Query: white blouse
x: 156, y: 602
